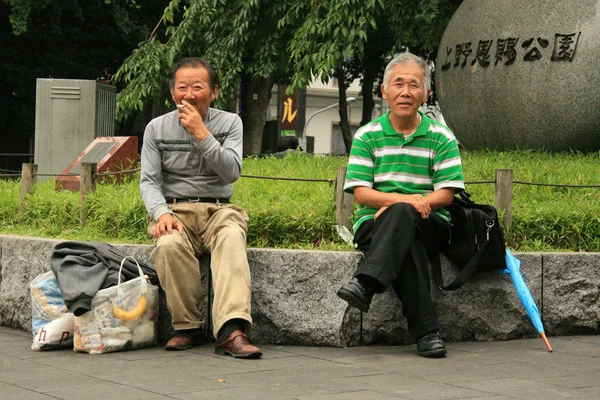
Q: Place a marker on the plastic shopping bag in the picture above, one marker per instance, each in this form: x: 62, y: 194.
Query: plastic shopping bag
x: 52, y: 326
x: 123, y: 317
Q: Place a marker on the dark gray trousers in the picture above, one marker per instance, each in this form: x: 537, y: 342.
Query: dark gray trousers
x: 396, y: 248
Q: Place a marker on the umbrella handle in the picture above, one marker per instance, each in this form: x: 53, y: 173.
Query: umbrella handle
x: 546, y: 342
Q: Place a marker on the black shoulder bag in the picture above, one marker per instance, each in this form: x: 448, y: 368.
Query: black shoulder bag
x: 476, y: 244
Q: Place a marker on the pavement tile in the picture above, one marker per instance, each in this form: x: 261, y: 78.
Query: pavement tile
x: 8, y: 338
x: 102, y: 366
x: 207, y: 366
x: 12, y: 363
x: 354, y: 395
x: 227, y: 393
x: 102, y: 390
x: 588, y: 349
x: 491, y: 397
x: 587, y: 380
x: 594, y: 339
x: 351, y: 355
x: 523, y: 389
x: 14, y: 392
x: 499, y: 347
x: 21, y: 348
x: 274, y: 351
x: 302, y: 366
x: 587, y: 393
x: 278, y: 384
x: 14, y: 332
x: 411, y: 388
x: 161, y: 381
x: 45, y: 379
x: 518, y: 369
x: 148, y: 352
x: 445, y: 370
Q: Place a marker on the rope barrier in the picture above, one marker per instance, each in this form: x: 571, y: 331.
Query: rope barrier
x: 118, y: 172
x: 478, y: 182
x: 331, y: 182
x: 55, y: 174
x: 556, y: 185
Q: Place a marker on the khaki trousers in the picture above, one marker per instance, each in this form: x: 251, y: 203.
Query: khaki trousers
x: 221, y: 230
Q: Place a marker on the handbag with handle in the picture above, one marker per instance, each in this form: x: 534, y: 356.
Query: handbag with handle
x: 123, y: 317
x: 476, y: 244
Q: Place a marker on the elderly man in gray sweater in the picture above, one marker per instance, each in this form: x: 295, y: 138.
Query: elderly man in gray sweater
x: 190, y: 159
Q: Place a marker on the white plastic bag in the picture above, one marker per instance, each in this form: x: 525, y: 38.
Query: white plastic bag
x: 52, y: 326
x: 123, y: 317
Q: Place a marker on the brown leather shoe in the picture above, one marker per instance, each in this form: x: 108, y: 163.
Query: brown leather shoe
x: 238, y: 345
x: 183, y: 340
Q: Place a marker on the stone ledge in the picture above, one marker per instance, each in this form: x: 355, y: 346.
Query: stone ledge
x: 294, y: 300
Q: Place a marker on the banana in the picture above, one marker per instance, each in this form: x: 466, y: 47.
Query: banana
x: 136, y: 312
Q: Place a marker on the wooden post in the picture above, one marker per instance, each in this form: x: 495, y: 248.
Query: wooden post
x: 503, y: 195
x: 87, y: 184
x: 28, y: 179
x: 344, y: 202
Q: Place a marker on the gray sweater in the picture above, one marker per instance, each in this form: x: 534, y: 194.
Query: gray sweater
x: 175, y: 165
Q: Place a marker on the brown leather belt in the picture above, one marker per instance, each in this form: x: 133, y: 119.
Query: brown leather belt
x: 196, y: 200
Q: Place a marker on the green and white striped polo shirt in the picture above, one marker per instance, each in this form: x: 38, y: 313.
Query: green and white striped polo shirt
x: 384, y: 160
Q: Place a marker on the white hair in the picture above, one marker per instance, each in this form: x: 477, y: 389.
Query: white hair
x: 406, y: 58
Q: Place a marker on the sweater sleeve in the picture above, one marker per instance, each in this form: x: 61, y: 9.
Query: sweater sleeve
x: 225, y: 159
x: 151, y: 175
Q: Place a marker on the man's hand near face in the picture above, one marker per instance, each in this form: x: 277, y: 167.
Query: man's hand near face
x: 191, y: 119
x: 165, y: 225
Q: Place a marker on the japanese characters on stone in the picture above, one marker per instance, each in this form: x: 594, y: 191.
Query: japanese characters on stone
x: 506, y: 51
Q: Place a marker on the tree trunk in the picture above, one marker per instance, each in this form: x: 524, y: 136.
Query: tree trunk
x: 255, y: 96
x: 344, y: 122
x: 367, y: 92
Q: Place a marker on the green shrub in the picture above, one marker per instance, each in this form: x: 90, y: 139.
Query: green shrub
x: 545, y: 218
x: 299, y: 214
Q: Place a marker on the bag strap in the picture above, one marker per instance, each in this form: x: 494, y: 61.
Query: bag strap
x: 463, y: 276
x: 141, y: 272
x: 143, y: 286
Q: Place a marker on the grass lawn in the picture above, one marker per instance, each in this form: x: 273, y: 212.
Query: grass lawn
x: 298, y: 214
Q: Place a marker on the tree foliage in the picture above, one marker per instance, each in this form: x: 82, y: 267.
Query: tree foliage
x: 236, y: 36
x: 255, y: 44
x: 68, y: 39
x: 352, y: 39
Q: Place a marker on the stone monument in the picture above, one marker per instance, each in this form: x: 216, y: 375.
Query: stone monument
x: 522, y: 74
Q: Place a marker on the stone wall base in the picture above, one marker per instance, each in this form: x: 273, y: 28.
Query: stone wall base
x: 294, y: 300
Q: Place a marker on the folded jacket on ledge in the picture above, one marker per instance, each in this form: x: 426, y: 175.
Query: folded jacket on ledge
x: 83, y: 268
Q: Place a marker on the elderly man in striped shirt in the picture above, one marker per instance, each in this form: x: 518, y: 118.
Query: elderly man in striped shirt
x: 403, y: 170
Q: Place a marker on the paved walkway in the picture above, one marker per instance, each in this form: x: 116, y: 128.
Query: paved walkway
x: 518, y: 369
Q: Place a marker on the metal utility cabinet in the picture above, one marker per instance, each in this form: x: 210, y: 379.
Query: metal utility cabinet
x: 69, y: 115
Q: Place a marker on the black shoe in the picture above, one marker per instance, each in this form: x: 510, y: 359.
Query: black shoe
x: 431, y: 345
x: 356, y: 294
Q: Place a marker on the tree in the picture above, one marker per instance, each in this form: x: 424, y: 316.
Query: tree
x: 68, y: 39
x: 354, y: 39
x: 333, y: 31
x: 238, y: 37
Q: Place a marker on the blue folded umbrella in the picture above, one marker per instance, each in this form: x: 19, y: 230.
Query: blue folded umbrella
x: 513, y: 266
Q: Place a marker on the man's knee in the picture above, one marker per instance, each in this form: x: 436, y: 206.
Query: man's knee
x: 170, y: 247
x: 171, y: 242
x: 401, y: 211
